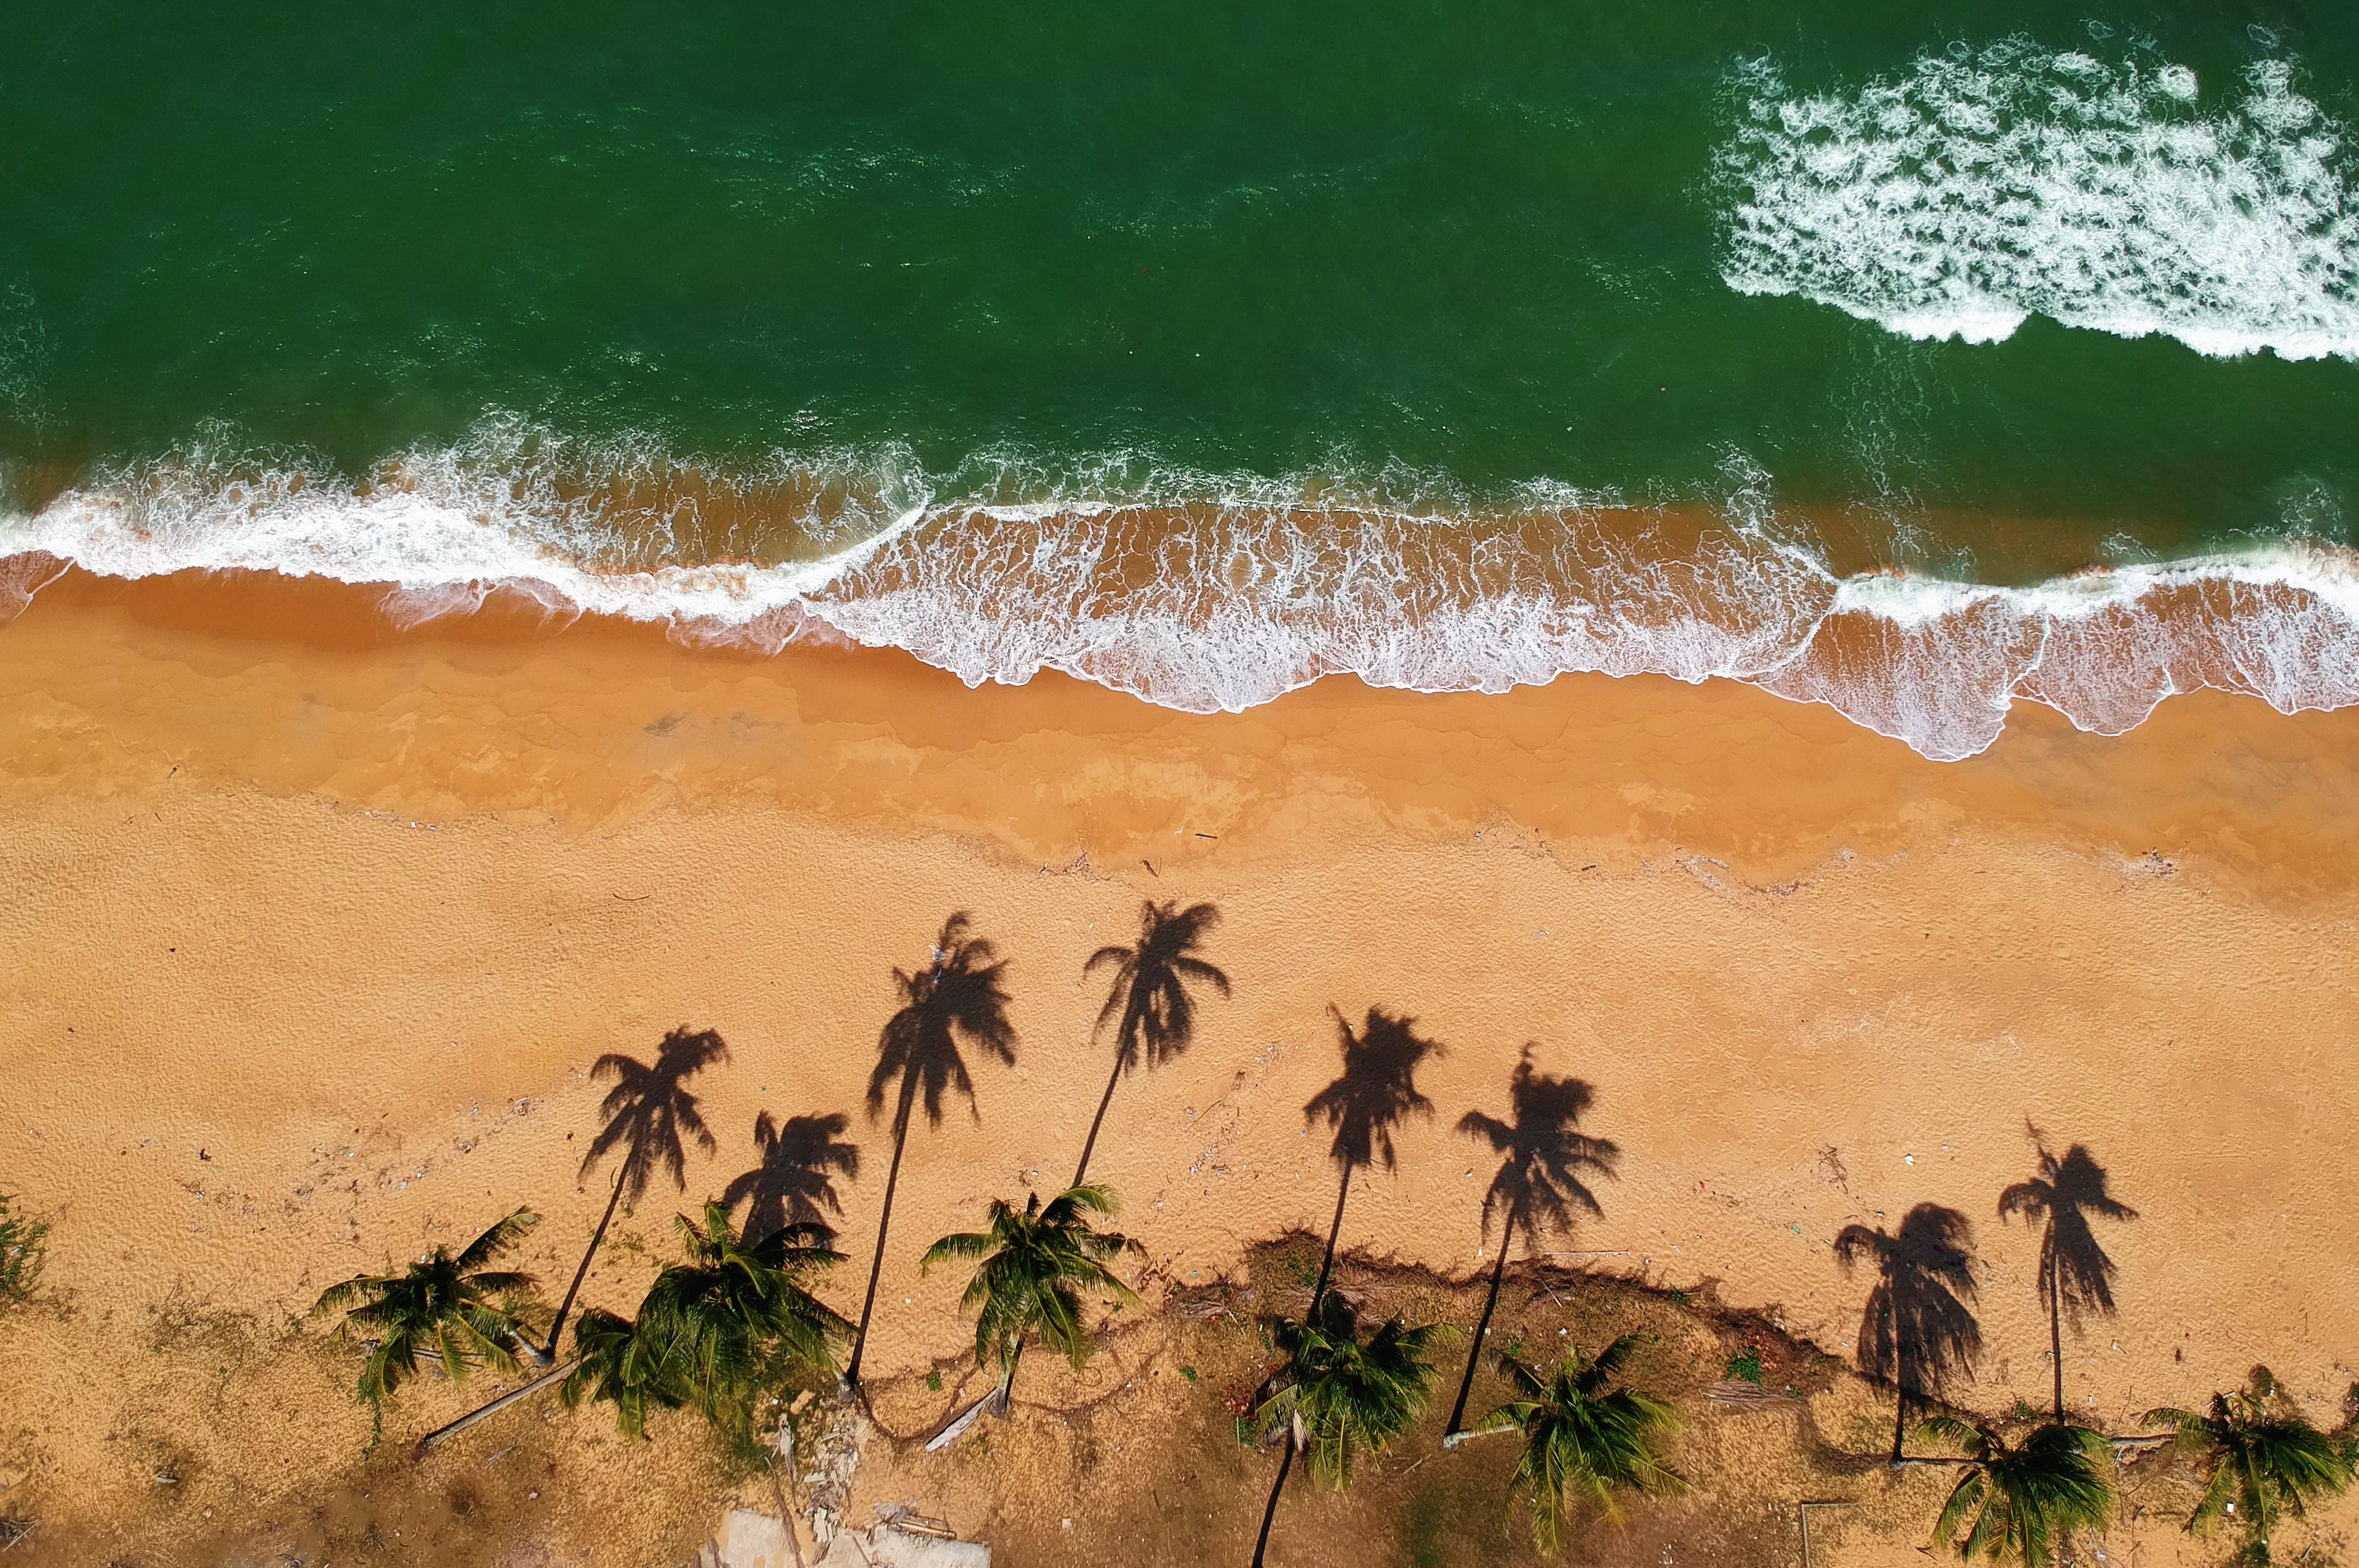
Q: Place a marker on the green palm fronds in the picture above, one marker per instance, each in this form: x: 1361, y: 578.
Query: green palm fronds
x: 2023, y: 1499
x: 732, y: 1312
x: 451, y: 1309
x: 1583, y: 1441
x: 714, y: 1330
x: 1033, y: 1267
x: 2267, y: 1459
x: 1342, y: 1396
x: 631, y: 1368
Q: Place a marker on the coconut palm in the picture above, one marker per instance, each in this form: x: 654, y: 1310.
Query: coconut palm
x: 1150, y: 996
x: 1338, y: 1396
x: 739, y: 1314
x: 795, y: 1182
x: 1583, y: 1441
x: 1377, y: 1090
x: 1919, y: 1331
x: 632, y: 1369
x: 455, y: 1310
x: 648, y: 1111
x: 1031, y: 1269
x: 2023, y: 1499
x: 957, y: 997
x: 2074, y: 1273
x: 2265, y: 1458
x: 1544, y: 1156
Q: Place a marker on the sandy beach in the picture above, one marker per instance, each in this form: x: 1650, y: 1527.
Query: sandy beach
x: 311, y: 929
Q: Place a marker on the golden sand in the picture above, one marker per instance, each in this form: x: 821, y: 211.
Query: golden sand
x: 313, y: 929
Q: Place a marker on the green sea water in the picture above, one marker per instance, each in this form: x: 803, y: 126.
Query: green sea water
x: 1446, y: 252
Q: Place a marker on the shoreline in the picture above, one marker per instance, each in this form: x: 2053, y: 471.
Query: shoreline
x: 315, y: 925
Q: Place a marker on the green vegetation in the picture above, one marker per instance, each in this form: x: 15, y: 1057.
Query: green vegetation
x: 453, y: 1311
x: 2025, y: 1498
x: 1338, y: 1396
x: 1584, y: 1441
x: 735, y: 1331
x: 2266, y: 1460
x: 1031, y: 1268
x: 24, y: 1253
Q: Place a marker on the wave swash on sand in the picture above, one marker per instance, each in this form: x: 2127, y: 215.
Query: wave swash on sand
x: 1203, y: 596
x: 1988, y: 187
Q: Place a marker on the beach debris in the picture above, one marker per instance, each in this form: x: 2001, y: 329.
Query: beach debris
x: 1743, y: 1394
x: 958, y: 1428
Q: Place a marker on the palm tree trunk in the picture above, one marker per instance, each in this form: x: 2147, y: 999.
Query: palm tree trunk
x: 1103, y: 1101
x: 1270, y: 1512
x: 876, y: 1265
x: 1327, y: 1264
x: 2055, y: 1332
x: 444, y: 1433
x: 558, y: 1325
x: 1007, y: 1380
x: 1498, y: 1272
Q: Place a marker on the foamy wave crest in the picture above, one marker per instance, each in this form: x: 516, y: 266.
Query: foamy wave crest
x: 1207, y: 594
x: 1986, y: 188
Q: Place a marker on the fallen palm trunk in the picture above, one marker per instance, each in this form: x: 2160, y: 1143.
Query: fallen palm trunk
x: 442, y: 1433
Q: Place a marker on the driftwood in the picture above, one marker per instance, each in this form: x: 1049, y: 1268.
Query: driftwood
x: 1743, y: 1393
x: 958, y: 1428
x: 443, y: 1433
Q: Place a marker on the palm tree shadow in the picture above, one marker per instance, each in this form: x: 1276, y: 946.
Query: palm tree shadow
x: 1375, y: 1092
x: 649, y: 1111
x: 2075, y: 1274
x: 795, y: 1182
x: 1920, y: 1332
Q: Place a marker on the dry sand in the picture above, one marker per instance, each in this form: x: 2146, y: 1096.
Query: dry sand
x: 310, y: 930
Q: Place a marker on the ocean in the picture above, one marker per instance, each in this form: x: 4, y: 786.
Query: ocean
x: 1920, y: 361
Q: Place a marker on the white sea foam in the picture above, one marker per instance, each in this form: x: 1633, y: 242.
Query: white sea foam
x: 1204, y: 593
x: 1979, y: 191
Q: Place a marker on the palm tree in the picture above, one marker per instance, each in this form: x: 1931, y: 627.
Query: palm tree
x: 1150, y: 996
x: 1376, y: 1089
x: 2263, y: 1453
x: 1918, y: 1330
x: 739, y: 1314
x: 631, y: 1367
x: 1033, y: 1268
x: 1338, y: 1396
x: 2025, y: 1498
x: 1581, y: 1441
x: 2074, y: 1273
x: 956, y: 997
x: 1543, y: 1158
x: 795, y: 1182
x: 453, y: 1310
x: 647, y: 1112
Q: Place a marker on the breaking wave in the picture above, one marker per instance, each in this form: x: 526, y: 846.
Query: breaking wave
x: 1987, y: 187
x: 1207, y: 593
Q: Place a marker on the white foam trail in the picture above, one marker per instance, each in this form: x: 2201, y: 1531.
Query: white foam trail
x: 1985, y: 189
x: 1208, y: 595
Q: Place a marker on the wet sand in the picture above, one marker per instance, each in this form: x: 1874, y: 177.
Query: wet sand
x: 313, y: 927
